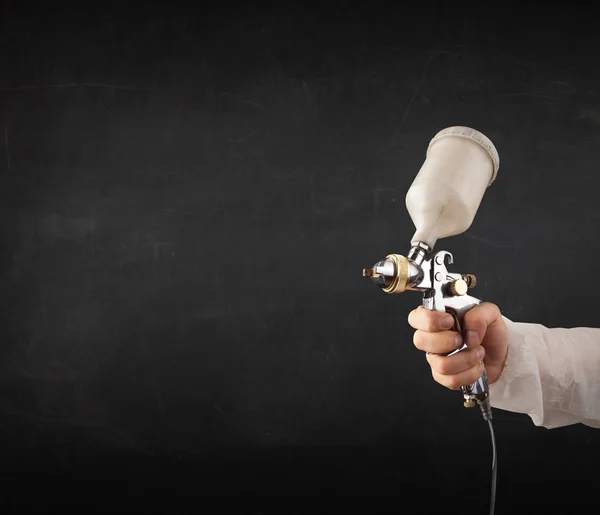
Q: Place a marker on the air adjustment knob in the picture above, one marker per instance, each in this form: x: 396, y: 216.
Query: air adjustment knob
x: 458, y: 287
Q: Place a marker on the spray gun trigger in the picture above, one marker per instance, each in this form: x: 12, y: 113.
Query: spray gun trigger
x: 457, y: 327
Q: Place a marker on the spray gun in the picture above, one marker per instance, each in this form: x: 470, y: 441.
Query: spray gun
x: 425, y: 271
x: 442, y: 201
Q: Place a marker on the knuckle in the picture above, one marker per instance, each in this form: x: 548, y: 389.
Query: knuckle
x: 477, y: 313
x: 422, y: 318
x: 418, y: 339
x: 491, y: 307
x: 449, y: 382
x: 473, y: 313
x: 418, y: 319
x: 443, y: 366
x: 454, y: 382
x: 411, y: 318
x: 431, y: 323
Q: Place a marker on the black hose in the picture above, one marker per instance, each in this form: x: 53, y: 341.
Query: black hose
x: 494, y: 469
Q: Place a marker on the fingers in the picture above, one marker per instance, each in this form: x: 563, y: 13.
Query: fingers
x: 461, y: 362
x: 442, y: 342
x: 433, y: 335
x: 455, y: 381
x: 477, y: 321
x: 425, y: 319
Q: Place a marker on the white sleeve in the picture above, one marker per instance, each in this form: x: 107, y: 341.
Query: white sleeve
x: 551, y: 374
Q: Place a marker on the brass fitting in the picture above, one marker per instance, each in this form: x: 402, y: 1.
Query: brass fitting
x: 471, y: 280
x: 400, y: 281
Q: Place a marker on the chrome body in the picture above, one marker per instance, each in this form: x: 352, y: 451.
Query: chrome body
x: 428, y: 273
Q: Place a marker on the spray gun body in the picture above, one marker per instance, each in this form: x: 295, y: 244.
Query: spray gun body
x: 426, y: 271
x: 442, y: 201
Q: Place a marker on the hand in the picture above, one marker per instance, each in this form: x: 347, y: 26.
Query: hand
x: 484, y: 332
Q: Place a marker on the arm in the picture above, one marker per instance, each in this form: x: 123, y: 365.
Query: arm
x: 551, y: 374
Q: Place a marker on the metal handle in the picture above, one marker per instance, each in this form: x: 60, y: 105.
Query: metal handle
x: 478, y: 391
x: 441, y: 298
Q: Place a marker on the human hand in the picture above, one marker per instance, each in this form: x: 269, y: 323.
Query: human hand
x: 484, y: 332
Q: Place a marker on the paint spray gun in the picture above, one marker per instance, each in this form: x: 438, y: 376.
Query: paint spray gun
x: 442, y: 201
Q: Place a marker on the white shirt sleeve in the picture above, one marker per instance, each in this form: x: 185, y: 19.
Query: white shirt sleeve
x: 551, y: 374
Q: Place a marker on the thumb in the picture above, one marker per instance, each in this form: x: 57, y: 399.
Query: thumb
x: 484, y: 325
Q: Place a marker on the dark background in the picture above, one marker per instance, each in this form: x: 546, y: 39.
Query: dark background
x: 188, y: 198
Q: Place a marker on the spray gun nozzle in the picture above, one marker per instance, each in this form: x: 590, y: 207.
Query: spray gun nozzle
x: 394, y: 274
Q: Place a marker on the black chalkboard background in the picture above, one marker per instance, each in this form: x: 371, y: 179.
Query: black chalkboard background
x: 188, y: 198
